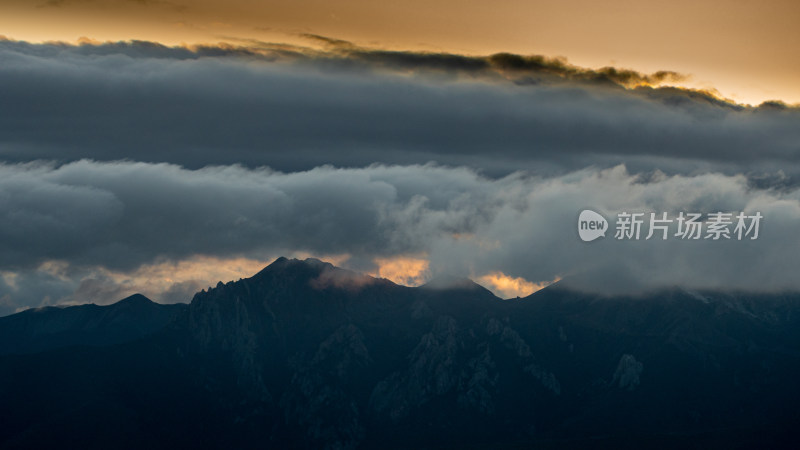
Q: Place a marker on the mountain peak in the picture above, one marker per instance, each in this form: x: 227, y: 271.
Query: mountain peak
x: 283, y: 263
x: 451, y: 282
x: 135, y: 299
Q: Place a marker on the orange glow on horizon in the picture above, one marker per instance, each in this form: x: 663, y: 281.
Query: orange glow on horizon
x: 153, y: 280
x: 200, y: 272
x: 408, y: 271
x: 506, y: 286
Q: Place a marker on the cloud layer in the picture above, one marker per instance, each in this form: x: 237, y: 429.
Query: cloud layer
x: 294, y: 109
x: 121, y: 163
x: 62, y: 225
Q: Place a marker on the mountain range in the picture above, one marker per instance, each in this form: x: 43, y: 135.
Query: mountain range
x: 307, y: 355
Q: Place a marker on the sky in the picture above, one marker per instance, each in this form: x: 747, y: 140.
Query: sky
x: 159, y: 147
x: 744, y: 49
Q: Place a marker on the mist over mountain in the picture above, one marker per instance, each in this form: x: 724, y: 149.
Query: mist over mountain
x: 307, y: 355
x: 339, y: 149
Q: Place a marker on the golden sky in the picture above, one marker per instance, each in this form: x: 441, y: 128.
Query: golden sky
x: 747, y: 50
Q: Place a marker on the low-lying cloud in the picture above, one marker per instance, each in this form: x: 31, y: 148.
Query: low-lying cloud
x: 63, y: 225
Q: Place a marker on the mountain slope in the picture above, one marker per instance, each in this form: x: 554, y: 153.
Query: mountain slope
x: 307, y: 355
x: 53, y: 327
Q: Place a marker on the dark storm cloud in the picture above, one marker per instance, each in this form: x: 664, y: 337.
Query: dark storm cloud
x: 294, y: 109
x: 63, y: 228
x: 523, y: 69
x: 121, y: 215
x: 160, y: 153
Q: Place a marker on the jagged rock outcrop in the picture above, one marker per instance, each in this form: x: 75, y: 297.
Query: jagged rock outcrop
x: 306, y: 355
x: 628, y: 372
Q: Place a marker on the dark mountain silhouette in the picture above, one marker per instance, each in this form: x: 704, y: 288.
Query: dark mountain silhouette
x: 52, y: 327
x: 307, y: 355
